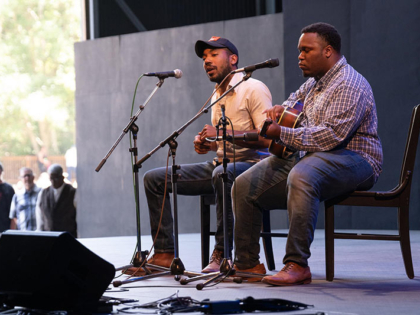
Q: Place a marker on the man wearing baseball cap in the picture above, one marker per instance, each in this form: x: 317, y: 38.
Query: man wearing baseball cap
x: 244, y: 106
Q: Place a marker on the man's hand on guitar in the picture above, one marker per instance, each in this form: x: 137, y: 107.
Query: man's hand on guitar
x: 280, y: 116
x: 201, y: 146
x: 274, y: 112
x: 207, y: 132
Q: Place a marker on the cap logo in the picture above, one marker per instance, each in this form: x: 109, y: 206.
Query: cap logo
x: 214, y: 39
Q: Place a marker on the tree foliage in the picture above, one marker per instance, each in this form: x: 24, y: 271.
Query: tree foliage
x: 37, y: 80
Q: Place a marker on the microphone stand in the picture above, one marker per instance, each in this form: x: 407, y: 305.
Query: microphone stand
x: 226, y: 264
x: 226, y: 267
x: 177, y: 267
x: 140, y: 255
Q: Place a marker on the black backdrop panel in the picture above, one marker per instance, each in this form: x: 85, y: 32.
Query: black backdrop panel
x: 111, y: 18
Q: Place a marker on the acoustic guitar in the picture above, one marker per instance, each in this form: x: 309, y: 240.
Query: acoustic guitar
x: 291, y: 118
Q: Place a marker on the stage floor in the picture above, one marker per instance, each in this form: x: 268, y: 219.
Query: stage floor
x: 369, y: 276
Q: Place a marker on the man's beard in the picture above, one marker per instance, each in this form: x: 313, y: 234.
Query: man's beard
x: 220, y: 76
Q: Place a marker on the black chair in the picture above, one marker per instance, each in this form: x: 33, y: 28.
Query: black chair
x: 205, y: 204
x: 398, y: 197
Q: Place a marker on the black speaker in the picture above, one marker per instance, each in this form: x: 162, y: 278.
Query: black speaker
x: 51, y: 271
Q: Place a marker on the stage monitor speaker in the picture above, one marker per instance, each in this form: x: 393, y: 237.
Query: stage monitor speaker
x: 51, y: 271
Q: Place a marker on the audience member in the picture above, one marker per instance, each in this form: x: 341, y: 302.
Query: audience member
x: 22, y: 209
x: 6, y: 195
x: 56, y: 206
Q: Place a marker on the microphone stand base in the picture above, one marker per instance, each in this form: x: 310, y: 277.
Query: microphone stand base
x: 138, y: 260
x: 230, y: 274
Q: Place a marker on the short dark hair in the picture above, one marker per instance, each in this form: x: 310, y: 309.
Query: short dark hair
x: 23, y: 169
x: 327, y: 32
x: 55, y: 169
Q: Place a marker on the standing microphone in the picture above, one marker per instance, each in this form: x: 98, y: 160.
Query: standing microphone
x: 251, y: 136
x: 163, y: 75
x: 270, y: 63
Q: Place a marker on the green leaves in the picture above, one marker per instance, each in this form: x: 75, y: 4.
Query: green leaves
x: 37, y: 82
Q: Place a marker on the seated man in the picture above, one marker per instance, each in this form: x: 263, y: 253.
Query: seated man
x: 337, y: 151
x: 244, y: 107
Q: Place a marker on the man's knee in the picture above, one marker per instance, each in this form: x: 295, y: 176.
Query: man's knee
x: 216, y: 173
x: 151, y: 179
x: 217, y: 176
x: 301, y: 178
x: 295, y: 175
x: 239, y: 185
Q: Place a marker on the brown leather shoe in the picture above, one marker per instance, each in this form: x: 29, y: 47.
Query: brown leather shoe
x: 260, y: 269
x: 215, y: 261
x: 159, y: 259
x: 291, y: 274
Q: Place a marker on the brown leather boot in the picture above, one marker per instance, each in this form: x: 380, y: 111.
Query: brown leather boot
x: 159, y: 259
x: 291, y: 274
x: 260, y: 269
x: 215, y: 261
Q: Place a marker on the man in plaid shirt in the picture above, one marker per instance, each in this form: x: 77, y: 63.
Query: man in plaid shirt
x: 22, y: 209
x: 337, y: 150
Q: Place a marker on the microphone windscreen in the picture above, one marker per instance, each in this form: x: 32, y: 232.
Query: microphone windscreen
x: 178, y: 73
x: 274, y: 63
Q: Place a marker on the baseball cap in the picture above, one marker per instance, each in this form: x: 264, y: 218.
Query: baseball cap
x: 214, y: 42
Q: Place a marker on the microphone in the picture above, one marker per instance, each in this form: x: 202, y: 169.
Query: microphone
x: 163, y: 75
x: 251, y: 136
x: 270, y: 63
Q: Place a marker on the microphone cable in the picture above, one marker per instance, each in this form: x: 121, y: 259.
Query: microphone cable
x: 134, y: 186
x: 160, y: 219
x: 132, y: 169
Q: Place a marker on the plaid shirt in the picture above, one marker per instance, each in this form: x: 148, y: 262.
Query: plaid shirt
x: 339, y: 112
x: 23, y: 208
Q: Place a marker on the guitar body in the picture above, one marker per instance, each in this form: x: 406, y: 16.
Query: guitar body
x: 290, y: 118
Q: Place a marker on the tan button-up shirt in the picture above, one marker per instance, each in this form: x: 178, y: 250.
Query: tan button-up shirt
x: 243, y: 106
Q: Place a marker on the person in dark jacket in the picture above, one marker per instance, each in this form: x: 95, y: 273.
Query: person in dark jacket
x: 6, y: 195
x: 56, y: 206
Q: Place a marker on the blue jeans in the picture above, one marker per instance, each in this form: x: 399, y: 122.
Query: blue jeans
x: 196, y: 179
x: 299, y: 186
